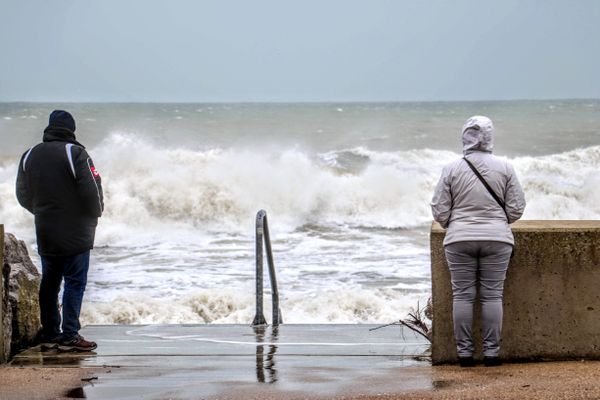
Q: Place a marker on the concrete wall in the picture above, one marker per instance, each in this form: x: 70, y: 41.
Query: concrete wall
x: 551, y: 296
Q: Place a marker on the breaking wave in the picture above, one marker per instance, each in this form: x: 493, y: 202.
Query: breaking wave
x: 161, y: 200
x: 229, y: 306
x: 223, y: 188
x: 149, y: 188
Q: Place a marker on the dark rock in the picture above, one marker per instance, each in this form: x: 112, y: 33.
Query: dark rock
x: 6, y: 311
x: 21, y: 293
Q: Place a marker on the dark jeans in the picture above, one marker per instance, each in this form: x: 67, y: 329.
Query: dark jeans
x: 73, y: 269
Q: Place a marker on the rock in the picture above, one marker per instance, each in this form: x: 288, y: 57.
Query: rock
x: 6, y: 310
x: 22, y: 293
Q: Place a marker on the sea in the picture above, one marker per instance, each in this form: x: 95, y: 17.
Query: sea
x: 346, y: 187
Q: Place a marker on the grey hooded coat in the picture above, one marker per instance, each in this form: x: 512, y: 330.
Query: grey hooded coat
x: 461, y: 202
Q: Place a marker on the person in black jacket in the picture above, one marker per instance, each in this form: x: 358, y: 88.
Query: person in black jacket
x: 58, y: 183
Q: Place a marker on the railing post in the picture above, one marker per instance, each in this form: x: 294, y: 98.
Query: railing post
x: 262, y: 232
x: 277, y: 319
x: 259, y: 318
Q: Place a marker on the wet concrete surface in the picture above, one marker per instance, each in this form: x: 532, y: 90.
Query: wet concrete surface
x: 238, y: 361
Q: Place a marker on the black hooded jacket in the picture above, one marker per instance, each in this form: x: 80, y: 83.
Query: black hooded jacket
x: 58, y: 183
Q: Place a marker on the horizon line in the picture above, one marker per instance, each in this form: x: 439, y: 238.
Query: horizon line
x: 298, y: 101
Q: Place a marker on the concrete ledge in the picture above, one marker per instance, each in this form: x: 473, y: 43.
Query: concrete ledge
x: 551, y: 296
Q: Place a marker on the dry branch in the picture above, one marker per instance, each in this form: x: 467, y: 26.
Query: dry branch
x: 416, y: 320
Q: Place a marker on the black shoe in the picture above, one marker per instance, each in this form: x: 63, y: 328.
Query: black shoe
x: 492, y: 361
x: 466, y: 362
x: 78, y: 343
x: 49, y: 344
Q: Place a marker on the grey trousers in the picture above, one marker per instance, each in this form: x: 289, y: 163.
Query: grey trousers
x: 465, y: 260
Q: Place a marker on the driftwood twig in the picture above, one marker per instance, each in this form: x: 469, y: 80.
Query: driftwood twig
x: 415, y: 321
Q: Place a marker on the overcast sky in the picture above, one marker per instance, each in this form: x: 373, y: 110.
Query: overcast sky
x: 305, y: 50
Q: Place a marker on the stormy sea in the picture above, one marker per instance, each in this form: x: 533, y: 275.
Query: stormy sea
x: 346, y: 187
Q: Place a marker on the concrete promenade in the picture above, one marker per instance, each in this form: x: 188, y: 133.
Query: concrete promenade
x: 237, y: 361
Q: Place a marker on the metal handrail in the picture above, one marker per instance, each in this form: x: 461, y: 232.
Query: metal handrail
x: 262, y: 230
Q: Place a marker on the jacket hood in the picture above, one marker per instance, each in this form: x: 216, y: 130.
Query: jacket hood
x: 61, y: 119
x: 477, y: 135
x: 52, y: 134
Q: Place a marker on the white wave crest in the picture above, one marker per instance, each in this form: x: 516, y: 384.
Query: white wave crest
x: 231, y: 306
x: 222, y: 189
x: 561, y: 186
x: 15, y: 218
x: 150, y: 189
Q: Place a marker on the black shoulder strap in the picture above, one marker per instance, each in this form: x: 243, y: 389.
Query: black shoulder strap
x: 488, y: 187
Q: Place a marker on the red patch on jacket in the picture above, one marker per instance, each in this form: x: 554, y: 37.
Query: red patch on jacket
x: 94, y: 172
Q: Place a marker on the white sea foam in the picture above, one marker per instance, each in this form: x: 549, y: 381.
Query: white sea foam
x: 355, y: 187
x: 561, y: 186
x: 150, y: 188
x: 15, y: 219
x: 350, y: 227
x: 232, y: 306
x: 220, y: 189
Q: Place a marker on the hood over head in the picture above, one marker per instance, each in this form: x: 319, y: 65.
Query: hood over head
x: 477, y: 134
x: 61, y: 127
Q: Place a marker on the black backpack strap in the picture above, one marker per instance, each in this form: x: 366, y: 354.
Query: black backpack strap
x: 488, y: 187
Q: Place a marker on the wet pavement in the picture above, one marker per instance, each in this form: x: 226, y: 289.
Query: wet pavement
x: 239, y: 361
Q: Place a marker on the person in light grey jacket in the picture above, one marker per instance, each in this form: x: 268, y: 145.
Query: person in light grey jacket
x: 478, y: 236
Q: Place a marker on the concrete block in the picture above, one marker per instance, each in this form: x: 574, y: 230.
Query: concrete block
x: 551, y: 294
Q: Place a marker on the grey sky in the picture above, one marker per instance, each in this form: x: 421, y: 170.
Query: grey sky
x: 310, y: 50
